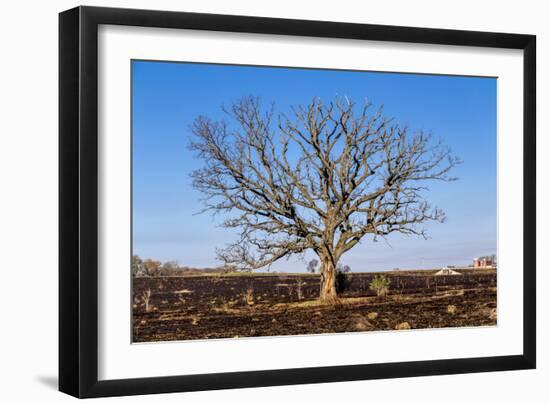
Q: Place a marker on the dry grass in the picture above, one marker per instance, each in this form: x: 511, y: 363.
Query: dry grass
x: 451, y: 309
x: 249, y: 296
x: 372, y: 315
x: 403, y: 326
x: 299, y: 285
x: 361, y: 323
x: 146, y: 297
x: 342, y: 301
x: 183, y: 292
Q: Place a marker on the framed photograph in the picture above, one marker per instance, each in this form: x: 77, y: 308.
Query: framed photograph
x: 251, y: 201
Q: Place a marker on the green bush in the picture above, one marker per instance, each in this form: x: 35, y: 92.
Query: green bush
x: 380, y: 284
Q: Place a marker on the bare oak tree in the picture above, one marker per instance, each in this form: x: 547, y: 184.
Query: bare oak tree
x: 320, y: 179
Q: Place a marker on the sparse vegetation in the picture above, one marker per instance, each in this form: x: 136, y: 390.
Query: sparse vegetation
x: 451, y: 309
x: 361, y: 323
x: 372, y: 315
x: 403, y: 326
x: 299, y: 285
x: 380, y: 284
x: 196, y: 307
x: 146, y: 297
x: 249, y: 296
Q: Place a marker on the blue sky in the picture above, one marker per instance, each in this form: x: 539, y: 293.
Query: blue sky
x: 166, y: 97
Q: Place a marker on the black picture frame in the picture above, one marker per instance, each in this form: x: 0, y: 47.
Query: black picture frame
x: 78, y: 201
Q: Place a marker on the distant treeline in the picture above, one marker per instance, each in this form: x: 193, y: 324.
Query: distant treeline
x: 150, y: 267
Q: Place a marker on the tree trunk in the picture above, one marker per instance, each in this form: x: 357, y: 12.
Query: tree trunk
x: 328, y: 281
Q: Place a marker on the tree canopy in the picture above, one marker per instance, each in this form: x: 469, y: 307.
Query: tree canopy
x: 321, y: 178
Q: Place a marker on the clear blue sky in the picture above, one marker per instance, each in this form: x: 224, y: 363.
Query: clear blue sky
x: 166, y: 97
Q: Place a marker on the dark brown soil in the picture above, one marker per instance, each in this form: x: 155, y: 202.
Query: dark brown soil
x: 201, y: 307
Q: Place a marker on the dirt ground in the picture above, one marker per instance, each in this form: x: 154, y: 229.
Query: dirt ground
x: 235, y: 306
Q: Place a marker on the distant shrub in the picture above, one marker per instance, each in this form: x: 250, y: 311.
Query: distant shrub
x: 343, y: 277
x: 249, y: 296
x: 380, y: 284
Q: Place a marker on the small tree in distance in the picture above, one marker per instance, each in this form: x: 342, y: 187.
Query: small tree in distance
x: 320, y: 179
x: 169, y: 268
x: 137, y: 265
x: 151, y: 267
x: 312, y: 266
